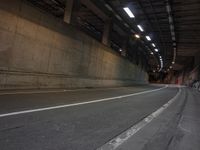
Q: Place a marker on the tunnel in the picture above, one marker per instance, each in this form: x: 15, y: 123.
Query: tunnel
x: 99, y: 75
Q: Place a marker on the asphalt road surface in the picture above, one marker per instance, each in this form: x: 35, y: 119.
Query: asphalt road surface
x: 85, y: 126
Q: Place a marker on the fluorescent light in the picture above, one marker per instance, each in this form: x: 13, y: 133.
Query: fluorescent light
x: 118, y: 17
x: 148, y: 38
x: 129, y: 12
x: 153, y: 45
x: 139, y: 27
x: 108, y: 6
x: 156, y: 50
x: 132, y: 31
x: 126, y: 25
x: 137, y: 36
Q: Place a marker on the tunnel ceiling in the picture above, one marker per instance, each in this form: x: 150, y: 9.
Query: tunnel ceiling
x: 187, y: 28
x: 153, y: 15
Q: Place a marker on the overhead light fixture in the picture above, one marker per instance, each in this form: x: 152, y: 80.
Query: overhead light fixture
x: 156, y: 50
x: 118, y: 17
x: 173, y: 62
x: 137, y: 36
x: 151, y: 53
x: 126, y: 25
x: 132, y: 31
x: 139, y: 27
x: 170, y: 67
x: 129, y: 12
x: 148, y: 38
x: 108, y: 6
x: 120, y: 50
x: 153, y: 45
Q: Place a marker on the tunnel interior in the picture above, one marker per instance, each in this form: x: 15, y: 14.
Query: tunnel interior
x: 171, y: 55
x: 99, y: 74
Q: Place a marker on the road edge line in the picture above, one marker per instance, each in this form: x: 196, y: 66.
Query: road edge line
x: 121, y: 138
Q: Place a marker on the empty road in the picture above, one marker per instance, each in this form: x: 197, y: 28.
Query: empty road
x: 75, y: 120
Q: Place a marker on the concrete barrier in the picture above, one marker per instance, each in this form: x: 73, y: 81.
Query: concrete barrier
x: 38, y: 50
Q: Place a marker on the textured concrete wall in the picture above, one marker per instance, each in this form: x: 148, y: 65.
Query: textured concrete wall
x: 38, y: 50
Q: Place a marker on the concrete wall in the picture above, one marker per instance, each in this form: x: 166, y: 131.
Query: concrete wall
x: 38, y: 50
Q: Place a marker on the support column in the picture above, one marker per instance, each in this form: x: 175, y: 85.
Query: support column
x: 125, y: 45
x: 68, y: 11
x: 71, y: 11
x: 106, y: 32
x: 197, y: 60
x: 134, y: 46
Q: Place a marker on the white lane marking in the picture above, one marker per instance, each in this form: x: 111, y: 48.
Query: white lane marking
x: 120, y: 139
x: 75, y: 104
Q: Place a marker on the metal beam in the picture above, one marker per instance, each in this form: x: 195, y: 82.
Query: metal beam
x: 90, y: 5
